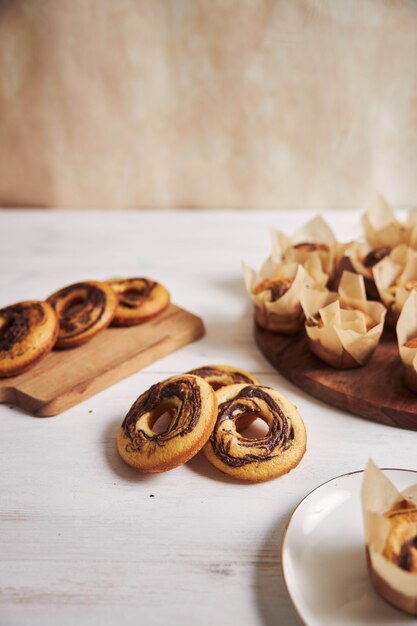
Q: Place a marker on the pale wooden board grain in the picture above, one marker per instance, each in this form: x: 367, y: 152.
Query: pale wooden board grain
x: 81, y: 540
x: 66, y: 377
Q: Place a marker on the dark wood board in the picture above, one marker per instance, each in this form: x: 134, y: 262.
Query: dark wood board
x: 375, y: 391
x: 65, y: 377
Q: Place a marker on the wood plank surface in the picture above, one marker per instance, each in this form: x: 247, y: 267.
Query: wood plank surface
x: 375, y: 391
x: 65, y: 377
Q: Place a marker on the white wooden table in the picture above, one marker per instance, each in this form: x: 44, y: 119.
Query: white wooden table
x: 81, y: 539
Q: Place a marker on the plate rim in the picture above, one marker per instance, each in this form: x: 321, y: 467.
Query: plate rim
x: 288, y: 522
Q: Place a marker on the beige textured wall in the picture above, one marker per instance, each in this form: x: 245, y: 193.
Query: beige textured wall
x: 132, y: 103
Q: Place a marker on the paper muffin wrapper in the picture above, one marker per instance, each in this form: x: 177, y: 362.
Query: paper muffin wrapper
x: 407, y: 329
x: 357, y: 252
x: 395, y: 270
x: 382, y: 228
x: 315, y: 231
x: 378, y: 496
x: 343, y: 340
x: 285, y: 314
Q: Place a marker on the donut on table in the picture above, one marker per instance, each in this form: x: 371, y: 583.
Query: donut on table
x: 276, y: 453
x: 193, y: 407
x: 83, y: 310
x: 28, y: 331
x: 140, y: 299
x: 222, y: 375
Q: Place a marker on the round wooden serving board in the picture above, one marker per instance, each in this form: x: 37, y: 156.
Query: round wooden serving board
x: 375, y: 391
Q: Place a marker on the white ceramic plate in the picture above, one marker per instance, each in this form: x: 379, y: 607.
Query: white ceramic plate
x: 323, y: 557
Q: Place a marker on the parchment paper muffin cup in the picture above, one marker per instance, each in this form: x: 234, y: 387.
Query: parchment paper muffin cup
x: 284, y: 315
x: 341, y: 336
x: 357, y: 252
x: 382, y: 228
x: 390, y: 581
x: 406, y: 330
x: 395, y: 277
x: 316, y: 231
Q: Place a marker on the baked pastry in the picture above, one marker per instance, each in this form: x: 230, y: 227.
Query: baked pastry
x: 83, y: 310
x: 383, y: 233
x: 222, y: 375
x: 364, y: 259
x: 407, y: 340
x: 401, y: 544
x: 390, y: 525
x: 395, y: 277
x: 278, y: 452
x: 28, y: 331
x: 375, y: 255
x: 368, y: 321
x: 381, y: 227
x: 140, y: 299
x: 343, y: 329
x: 192, y: 404
x: 275, y: 293
x: 315, y: 240
x: 275, y: 287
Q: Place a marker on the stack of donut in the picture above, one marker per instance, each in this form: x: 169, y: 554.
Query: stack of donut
x: 72, y: 316
x: 208, y: 407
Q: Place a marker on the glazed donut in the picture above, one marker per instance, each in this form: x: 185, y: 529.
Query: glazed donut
x: 222, y: 375
x: 28, y: 331
x: 255, y: 460
x: 83, y: 309
x: 193, y: 406
x: 140, y: 299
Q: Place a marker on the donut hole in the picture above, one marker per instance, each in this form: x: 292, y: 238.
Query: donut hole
x: 133, y: 293
x: 161, y: 419
x: 252, y: 426
x: 74, y: 306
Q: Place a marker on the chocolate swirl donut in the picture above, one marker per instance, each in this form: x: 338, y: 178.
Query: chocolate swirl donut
x: 83, y: 309
x: 222, y: 375
x: 276, y: 453
x: 28, y: 331
x: 140, y: 299
x: 192, y: 405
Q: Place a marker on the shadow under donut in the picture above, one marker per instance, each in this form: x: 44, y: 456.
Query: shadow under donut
x: 116, y: 464
x: 200, y: 465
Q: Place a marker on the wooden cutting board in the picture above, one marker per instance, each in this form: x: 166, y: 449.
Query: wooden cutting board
x: 66, y: 377
x: 375, y: 391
